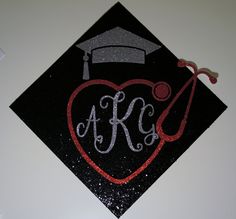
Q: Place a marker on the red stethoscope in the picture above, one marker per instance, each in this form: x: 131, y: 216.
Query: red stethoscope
x: 159, y: 96
x: 159, y: 124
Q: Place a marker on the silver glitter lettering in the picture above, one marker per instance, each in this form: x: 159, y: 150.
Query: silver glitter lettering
x: 115, y: 122
x: 151, y: 132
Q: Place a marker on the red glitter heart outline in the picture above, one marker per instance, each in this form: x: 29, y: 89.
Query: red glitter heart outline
x: 162, y: 135
x: 80, y: 148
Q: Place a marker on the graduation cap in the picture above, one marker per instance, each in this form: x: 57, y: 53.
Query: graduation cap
x: 116, y: 45
x: 76, y: 107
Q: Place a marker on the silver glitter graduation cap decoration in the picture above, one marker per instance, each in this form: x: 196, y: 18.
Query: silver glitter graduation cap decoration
x: 116, y: 45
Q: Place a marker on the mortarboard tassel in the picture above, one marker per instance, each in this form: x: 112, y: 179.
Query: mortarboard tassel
x: 86, y: 67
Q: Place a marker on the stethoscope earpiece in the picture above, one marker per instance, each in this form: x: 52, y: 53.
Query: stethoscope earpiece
x: 159, y: 124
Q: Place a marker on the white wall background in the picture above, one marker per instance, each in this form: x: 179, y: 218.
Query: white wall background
x: 33, y: 34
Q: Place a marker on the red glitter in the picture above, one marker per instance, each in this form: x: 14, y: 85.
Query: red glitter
x: 183, y: 63
x: 80, y: 148
x: 161, y: 91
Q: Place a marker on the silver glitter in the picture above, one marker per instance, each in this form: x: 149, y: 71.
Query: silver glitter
x: 118, y: 54
x: 116, y: 45
x: 118, y: 37
x: 115, y: 122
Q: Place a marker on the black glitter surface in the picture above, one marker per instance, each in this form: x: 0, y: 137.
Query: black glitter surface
x: 43, y: 107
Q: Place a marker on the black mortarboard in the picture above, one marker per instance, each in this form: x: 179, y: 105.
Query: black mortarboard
x: 116, y: 45
x: 79, y: 119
